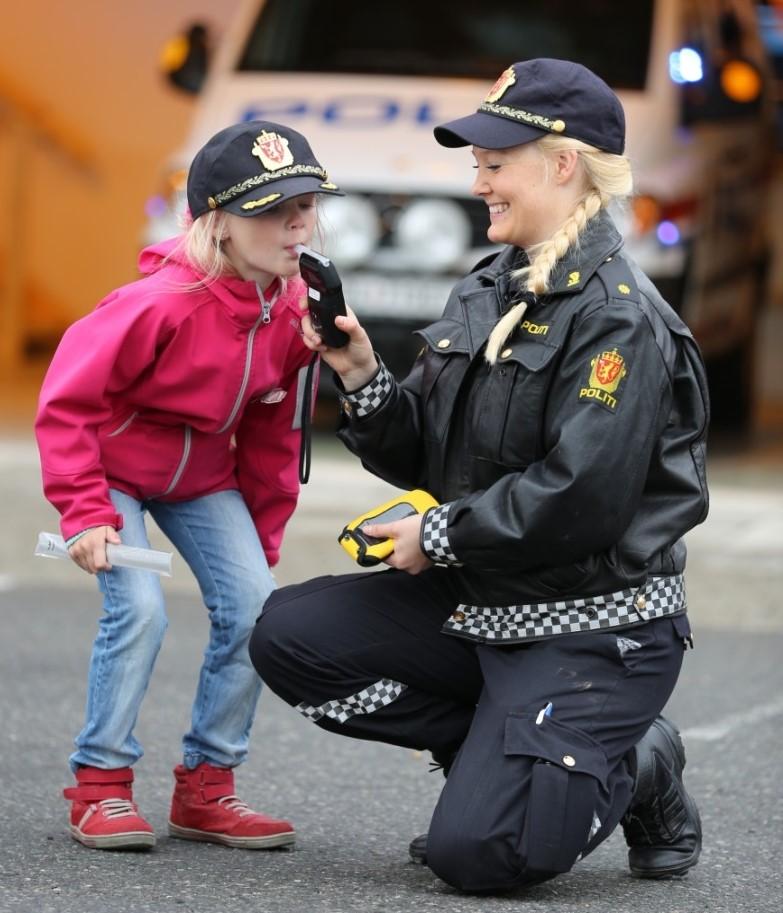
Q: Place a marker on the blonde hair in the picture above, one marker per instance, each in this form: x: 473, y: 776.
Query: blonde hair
x: 607, y: 178
x: 201, y: 245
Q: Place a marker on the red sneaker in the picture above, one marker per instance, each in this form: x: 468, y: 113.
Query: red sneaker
x: 103, y: 814
x: 204, y: 807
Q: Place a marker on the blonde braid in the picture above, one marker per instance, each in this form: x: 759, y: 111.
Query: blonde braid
x: 609, y: 177
x: 535, y: 277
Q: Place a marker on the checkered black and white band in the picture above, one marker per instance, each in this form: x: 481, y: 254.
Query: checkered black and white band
x: 368, y: 700
x: 371, y: 396
x: 508, y: 624
x: 434, y: 537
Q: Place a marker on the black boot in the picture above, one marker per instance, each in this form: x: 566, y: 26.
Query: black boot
x: 417, y: 848
x: 662, y: 825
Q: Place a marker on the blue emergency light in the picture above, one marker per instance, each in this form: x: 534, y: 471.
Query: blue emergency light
x: 686, y: 65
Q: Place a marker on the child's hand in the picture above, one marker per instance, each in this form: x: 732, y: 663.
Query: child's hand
x: 89, y: 552
x: 355, y: 362
x: 407, y: 555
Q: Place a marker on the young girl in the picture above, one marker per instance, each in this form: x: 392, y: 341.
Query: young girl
x: 178, y: 396
x: 531, y: 627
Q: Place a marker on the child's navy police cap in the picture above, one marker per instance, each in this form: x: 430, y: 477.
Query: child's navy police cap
x: 541, y: 96
x: 248, y: 168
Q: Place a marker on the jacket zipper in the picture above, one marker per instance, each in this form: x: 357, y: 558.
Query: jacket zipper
x: 266, y: 307
x: 123, y: 426
x: 182, y: 463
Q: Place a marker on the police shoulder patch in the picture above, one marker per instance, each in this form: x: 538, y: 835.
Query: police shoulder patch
x: 603, y: 379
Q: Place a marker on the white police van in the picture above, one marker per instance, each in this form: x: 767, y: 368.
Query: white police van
x: 367, y: 81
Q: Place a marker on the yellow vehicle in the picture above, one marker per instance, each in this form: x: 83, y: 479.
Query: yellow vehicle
x: 366, y: 83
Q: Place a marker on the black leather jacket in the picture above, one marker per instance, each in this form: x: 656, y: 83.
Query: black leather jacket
x: 575, y: 464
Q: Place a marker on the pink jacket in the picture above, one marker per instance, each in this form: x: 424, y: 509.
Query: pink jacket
x: 171, y: 393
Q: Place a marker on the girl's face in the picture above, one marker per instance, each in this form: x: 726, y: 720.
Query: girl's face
x: 261, y: 247
x: 525, y: 193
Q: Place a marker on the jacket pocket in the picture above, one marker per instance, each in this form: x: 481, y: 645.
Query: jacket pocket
x: 565, y: 579
x: 445, y: 361
x: 568, y: 768
x: 144, y: 455
x: 506, y: 425
x: 122, y: 426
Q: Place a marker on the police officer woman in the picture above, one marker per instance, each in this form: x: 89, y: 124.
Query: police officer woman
x: 531, y: 628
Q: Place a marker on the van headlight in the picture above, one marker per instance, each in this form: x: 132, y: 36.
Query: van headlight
x: 432, y: 234
x: 352, y: 228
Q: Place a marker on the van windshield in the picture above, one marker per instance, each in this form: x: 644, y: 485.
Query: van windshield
x: 461, y: 38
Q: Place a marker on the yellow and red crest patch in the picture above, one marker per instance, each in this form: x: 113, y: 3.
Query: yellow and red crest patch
x: 507, y: 78
x: 607, y: 370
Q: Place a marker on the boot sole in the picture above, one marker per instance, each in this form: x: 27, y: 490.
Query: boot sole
x: 246, y: 843
x: 131, y: 840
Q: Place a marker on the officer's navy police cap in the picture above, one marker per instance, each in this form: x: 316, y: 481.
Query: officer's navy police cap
x: 249, y: 168
x: 536, y: 97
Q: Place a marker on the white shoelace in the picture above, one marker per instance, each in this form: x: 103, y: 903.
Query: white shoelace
x: 117, y: 808
x: 235, y: 804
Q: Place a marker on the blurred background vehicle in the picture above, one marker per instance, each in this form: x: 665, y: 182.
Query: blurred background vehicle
x: 366, y: 82
x: 770, y: 18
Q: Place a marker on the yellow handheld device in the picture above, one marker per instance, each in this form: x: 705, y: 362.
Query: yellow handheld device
x: 368, y: 551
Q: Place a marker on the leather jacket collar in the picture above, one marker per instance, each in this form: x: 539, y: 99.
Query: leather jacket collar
x: 599, y: 240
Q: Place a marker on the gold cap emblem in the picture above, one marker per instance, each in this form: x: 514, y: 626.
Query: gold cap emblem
x: 558, y: 126
x: 507, y: 78
x: 254, y: 204
x: 212, y: 202
x: 272, y: 149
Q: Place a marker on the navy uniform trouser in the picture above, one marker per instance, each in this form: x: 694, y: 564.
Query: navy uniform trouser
x: 530, y: 789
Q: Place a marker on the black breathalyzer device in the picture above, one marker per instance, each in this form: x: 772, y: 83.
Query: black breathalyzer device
x: 324, y: 295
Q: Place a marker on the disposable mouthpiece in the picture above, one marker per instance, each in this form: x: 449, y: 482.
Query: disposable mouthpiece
x: 303, y: 249
x: 50, y: 545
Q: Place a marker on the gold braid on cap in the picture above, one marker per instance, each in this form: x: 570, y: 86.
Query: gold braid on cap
x: 226, y: 196
x: 525, y: 117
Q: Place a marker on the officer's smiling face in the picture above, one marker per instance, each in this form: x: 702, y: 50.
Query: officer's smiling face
x: 513, y: 184
x: 525, y: 192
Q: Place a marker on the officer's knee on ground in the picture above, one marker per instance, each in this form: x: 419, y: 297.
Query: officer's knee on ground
x: 537, y: 815
x: 479, y: 864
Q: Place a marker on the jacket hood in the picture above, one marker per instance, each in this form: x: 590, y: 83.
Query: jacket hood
x: 152, y: 257
x: 240, y: 296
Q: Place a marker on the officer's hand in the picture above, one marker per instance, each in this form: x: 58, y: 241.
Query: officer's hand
x: 407, y: 555
x: 355, y: 363
x: 89, y: 552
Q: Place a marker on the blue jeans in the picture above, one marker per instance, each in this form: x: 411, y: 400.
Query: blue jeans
x: 217, y: 538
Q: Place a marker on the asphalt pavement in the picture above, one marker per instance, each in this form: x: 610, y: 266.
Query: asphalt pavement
x: 355, y: 805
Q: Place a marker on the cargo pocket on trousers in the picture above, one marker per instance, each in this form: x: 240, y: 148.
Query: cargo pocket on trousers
x: 568, y: 766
